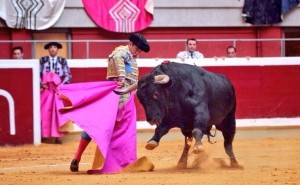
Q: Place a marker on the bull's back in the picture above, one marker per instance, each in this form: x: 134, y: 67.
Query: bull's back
x: 214, y: 89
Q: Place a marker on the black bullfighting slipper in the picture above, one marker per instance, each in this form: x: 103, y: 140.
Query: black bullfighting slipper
x: 58, y: 141
x: 74, y: 165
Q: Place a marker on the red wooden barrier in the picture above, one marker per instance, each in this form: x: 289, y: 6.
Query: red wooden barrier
x: 265, y: 88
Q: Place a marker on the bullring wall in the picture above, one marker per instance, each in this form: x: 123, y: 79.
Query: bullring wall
x: 267, y: 89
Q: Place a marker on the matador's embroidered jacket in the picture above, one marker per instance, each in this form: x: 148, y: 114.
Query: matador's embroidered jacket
x: 122, y: 66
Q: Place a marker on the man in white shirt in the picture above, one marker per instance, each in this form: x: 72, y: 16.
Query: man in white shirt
x: 190, y: 52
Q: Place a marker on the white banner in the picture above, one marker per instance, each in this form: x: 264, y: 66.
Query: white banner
x: 31, y: 14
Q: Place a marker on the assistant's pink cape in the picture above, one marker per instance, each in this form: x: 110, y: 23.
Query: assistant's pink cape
x: 93, y: 106
x: 50, y: 124
x: 125, y: 16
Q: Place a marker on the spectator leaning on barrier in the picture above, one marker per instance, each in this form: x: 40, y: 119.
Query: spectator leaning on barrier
x: 190, y: 52
x: 17, y: 52
x: 231, y: 51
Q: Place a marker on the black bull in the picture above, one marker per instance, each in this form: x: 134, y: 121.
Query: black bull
x: 192, y: 99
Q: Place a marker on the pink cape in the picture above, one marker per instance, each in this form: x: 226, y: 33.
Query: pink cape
x: 50, y: 124
x: 93, y: 106
x: 125, y: 16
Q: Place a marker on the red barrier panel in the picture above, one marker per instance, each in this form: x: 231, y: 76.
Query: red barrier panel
x: 19, y: 102
x: 18, y: 83
x: 265, y: 91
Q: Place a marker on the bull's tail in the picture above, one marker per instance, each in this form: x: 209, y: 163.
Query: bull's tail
x: 208, y: 133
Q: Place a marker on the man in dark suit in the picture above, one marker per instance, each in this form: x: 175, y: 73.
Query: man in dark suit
x: 56, y: 67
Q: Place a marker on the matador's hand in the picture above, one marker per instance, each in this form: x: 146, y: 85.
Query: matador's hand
x: 43, y: 87
x: 120, y: 84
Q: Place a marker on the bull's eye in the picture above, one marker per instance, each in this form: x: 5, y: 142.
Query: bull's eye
x: 155, y: 95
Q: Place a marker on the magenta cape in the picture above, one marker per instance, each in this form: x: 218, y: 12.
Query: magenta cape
x: 125, y: 16
x: 93, y: 106
x: 50, y: 124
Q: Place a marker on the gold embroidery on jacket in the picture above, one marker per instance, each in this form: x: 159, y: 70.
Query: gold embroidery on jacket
x: 117, y: 61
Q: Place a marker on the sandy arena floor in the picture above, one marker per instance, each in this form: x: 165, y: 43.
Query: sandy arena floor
x: 268, y: 157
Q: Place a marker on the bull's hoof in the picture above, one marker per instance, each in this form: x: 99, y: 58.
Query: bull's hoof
x: 198, y: 149
x: 151, y: 145
x: 182, y: 165
x: 235, y: 165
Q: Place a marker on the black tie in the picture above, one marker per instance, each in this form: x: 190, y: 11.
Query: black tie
x: 191, y: 55
x: 53, y: 64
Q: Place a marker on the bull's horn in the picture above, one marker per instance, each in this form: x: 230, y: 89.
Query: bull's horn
x: 161, y: 79
x: 128, y: 89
